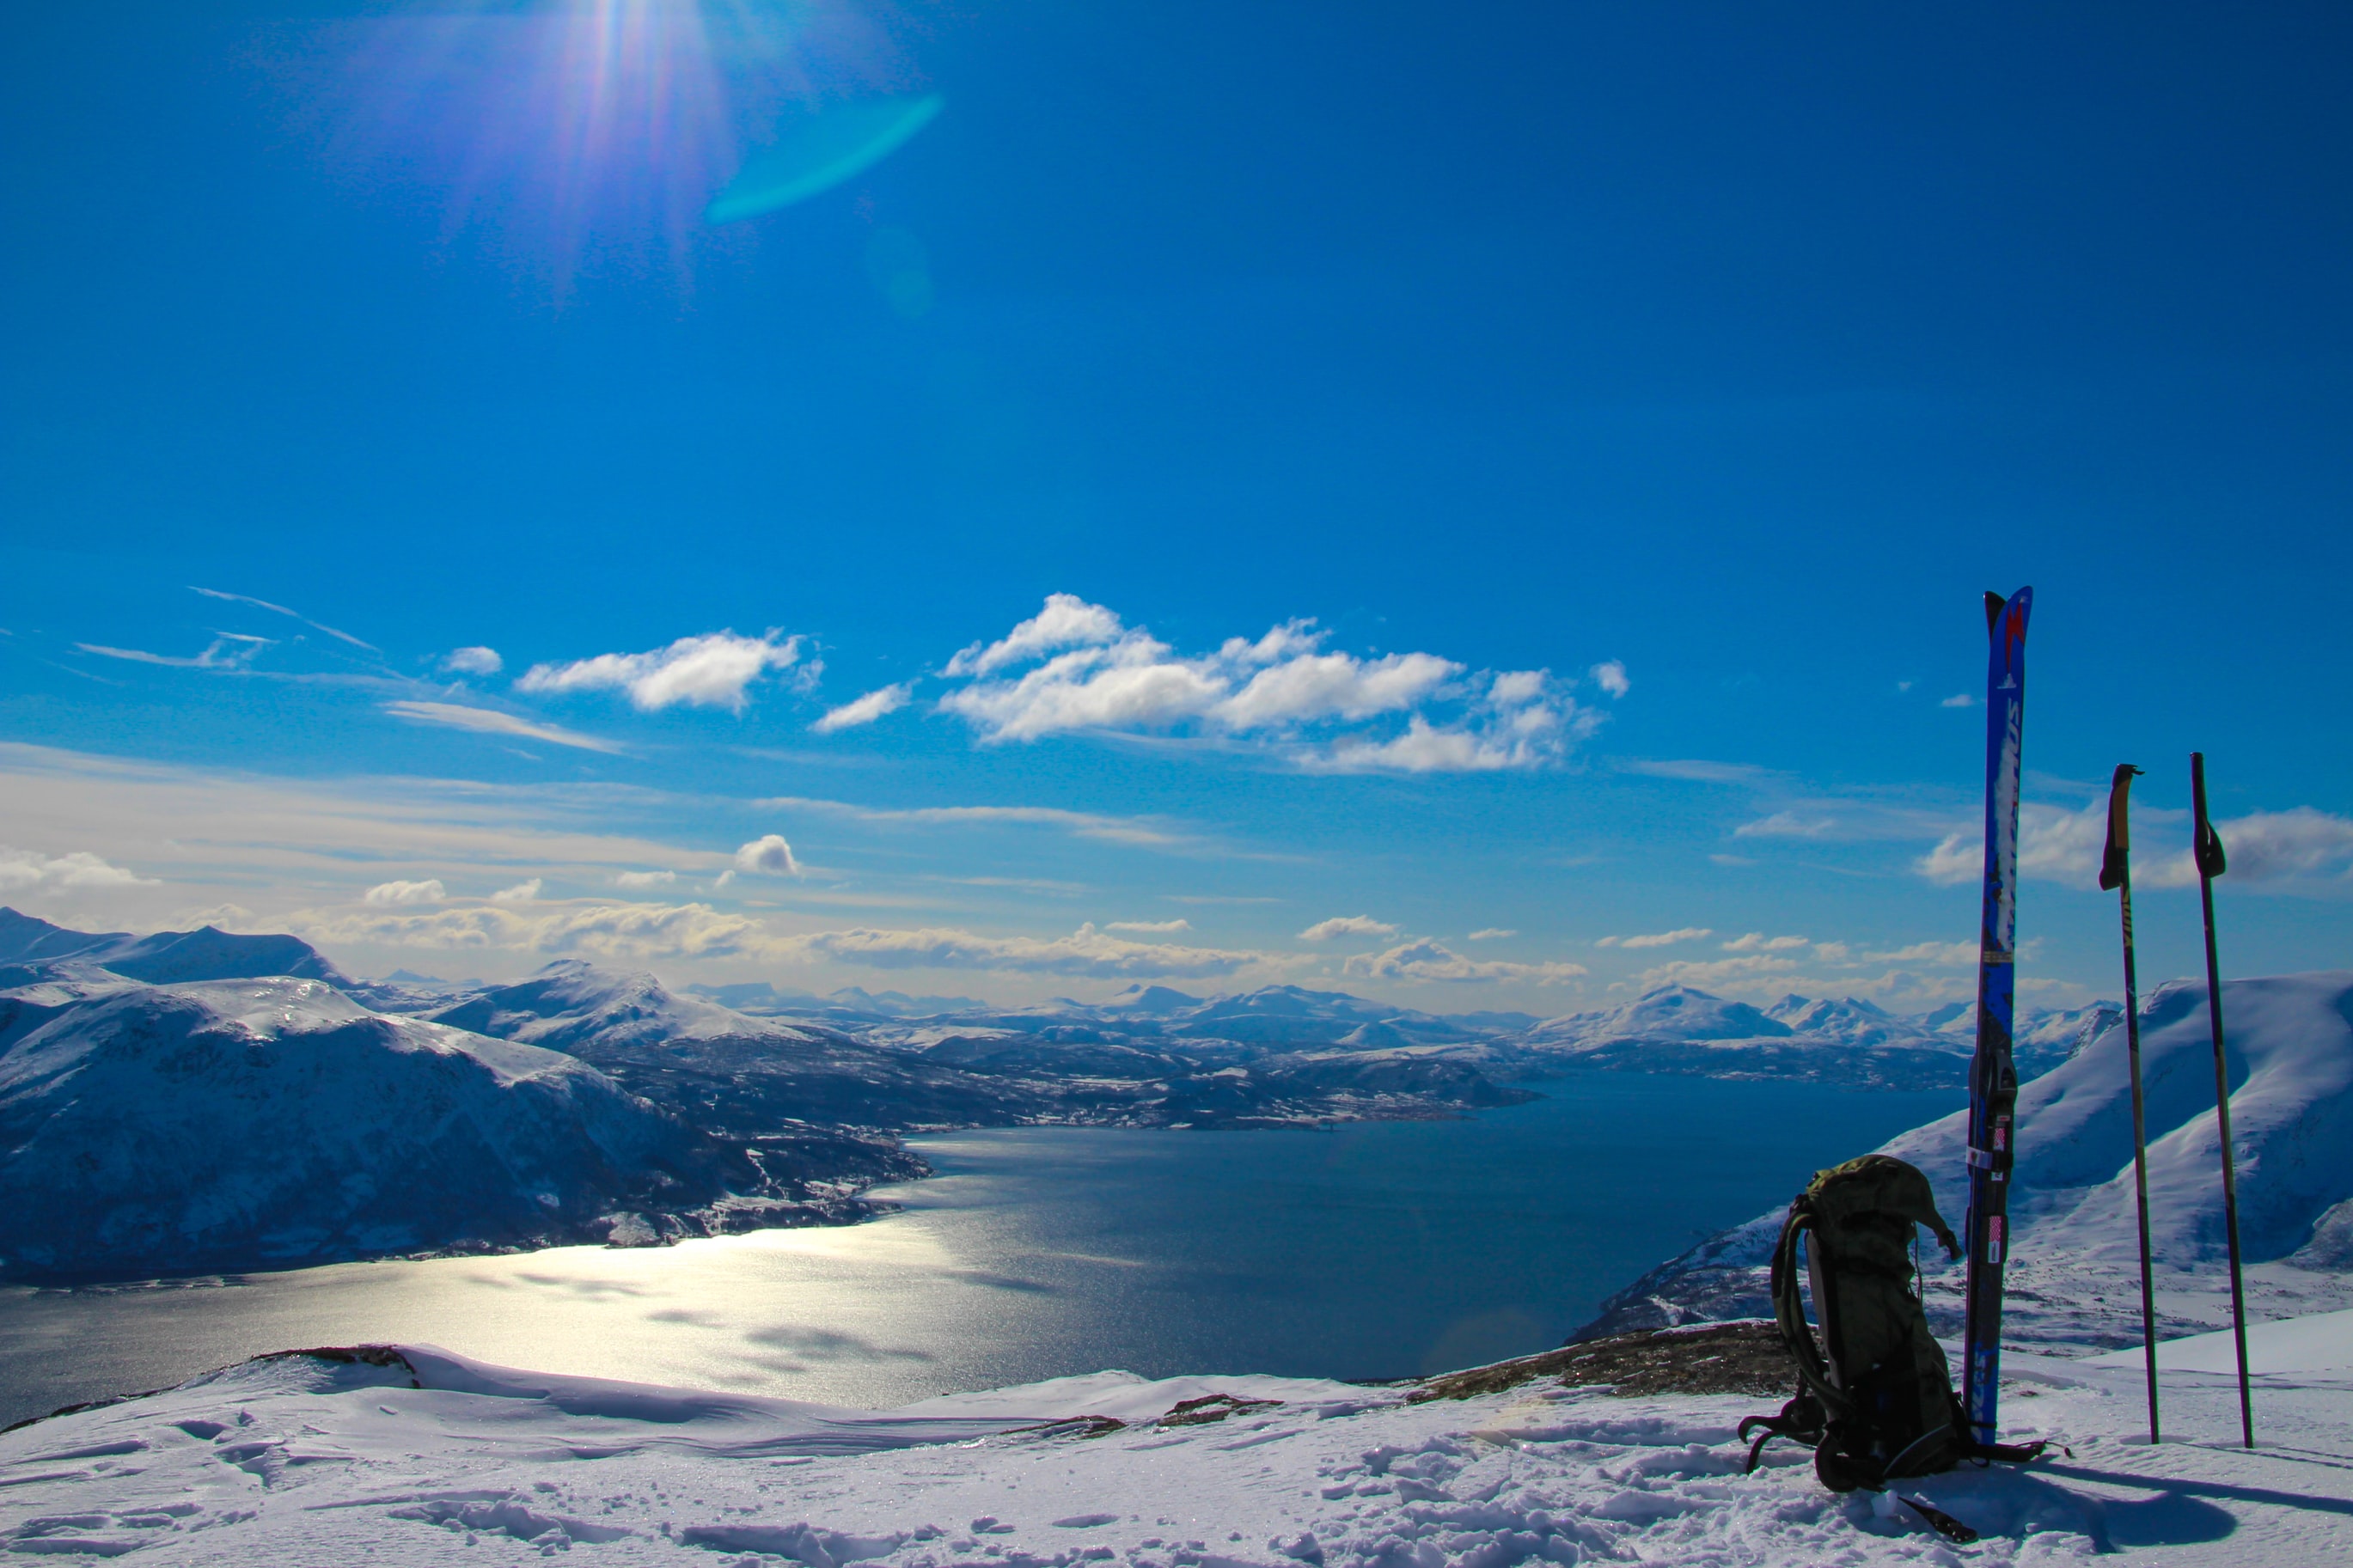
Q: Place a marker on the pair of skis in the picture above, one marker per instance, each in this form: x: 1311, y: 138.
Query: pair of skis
x: 1993, y: 1076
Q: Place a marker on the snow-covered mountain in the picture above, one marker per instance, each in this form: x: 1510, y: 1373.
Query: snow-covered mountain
x: 2071, y: 1202
x: 229, y: 1124
x: 204, y: 954
x: 572, y: 1003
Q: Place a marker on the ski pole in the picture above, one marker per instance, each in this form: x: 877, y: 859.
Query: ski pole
x: 2211, y: 863
x: 2115, y: 875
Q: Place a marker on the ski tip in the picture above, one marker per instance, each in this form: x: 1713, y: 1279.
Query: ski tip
x: 1994, y: 603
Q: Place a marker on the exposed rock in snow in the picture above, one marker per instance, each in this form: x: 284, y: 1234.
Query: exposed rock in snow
x: 235, y: 1124
x: 2072, y: 1206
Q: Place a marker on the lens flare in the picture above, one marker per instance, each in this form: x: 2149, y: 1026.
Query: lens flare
x: 575, y: 134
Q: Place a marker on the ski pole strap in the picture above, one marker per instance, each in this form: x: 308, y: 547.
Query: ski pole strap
x: 1987, y: 1159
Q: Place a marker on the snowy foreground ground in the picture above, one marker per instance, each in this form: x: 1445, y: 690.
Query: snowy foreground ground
x: 300, y: 1460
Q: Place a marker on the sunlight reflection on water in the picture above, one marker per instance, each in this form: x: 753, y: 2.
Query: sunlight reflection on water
x: 1378, y: 1250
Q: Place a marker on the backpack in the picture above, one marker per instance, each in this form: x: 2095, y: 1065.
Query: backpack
x: 1874, y: 1398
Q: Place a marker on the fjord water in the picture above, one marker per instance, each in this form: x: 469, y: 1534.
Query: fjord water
x: 1375, y: 1250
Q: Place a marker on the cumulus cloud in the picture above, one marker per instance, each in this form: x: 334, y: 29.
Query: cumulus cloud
x: 644, y: 878
x: 1086, y: 952
x: 429, y: 892
x: 767, y: 856
x: 2053, y: 844
x: 713, y: 670
x: 1067, y: 621
x: 2270, y: 845
x: 472, y: 661
x: 79, y: 870
x: 1426, y: 960
x: 521, y: 893
x: 1757, y: 942
x: 490, y: 721
x: 1657, y: 939
x: 1151, y: 928
x: 1490, y: 933
x: 1347, y: 925
x: 1610, y: 676
x: 1284, y: 691
x: 609, y: 931
x: 863, y: 709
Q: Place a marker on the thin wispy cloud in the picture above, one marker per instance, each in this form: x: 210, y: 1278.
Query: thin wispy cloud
x: 1490, y: 933
x: 282, y: 610
x: 429, y: 892
x: 1086, y: 952
x: 229, y: 651
x: 1151, y: 928
x: 1757, y: 942
x: 476, y: 660
x: 1148, y: 831
x: 490, y: 721
x: 1657, y: 939
x: 875, y: 704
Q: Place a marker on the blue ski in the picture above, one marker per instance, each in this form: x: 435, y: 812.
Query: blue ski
x: 1993, y: 1080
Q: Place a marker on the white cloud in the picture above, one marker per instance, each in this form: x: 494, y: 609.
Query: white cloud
x: 634, y: 879
x: 1941, y: 953
x: 1959, y: 699
x: 226, y: 917
x: 2270, y: 845
x: 1426, y: 960
x: 2053, y: 844
x: 1705, y: 974
x: 1903, y: 685
x: 490, y: 721
x: 767, y: 856
x: 1347, y: 925
x: 1757, y: 942
x: 610, y: 930
x: 79, y: 870
x: 1610, y: 676
x: 521, y: 893
x: 1657, y: 939
x: 280, y: 609
x: 1067, y: 621
x: 1490, y: 933
x: 1086, y: 952
x: 429, y: 892
x: 863, y: 709
x: 229, y: 650
x: 1081, y: 823
x: 1151, y: 928
x: 473, y: 661
x: 1787, y: 825
x: 1284, y: 692
x: 708, y: 671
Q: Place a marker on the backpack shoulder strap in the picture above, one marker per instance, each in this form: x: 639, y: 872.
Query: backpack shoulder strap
x: 1815, y: 1375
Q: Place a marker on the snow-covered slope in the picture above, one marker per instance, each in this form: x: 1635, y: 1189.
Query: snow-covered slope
x: 204, y: 954
x: 2071, y: 1202
x: 153, y: 1129
x: 1671, y: 1012
x: 571, y: 1003
x: 417, y: 1456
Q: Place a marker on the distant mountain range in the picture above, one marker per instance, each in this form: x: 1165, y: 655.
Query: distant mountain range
x: 315, y: 1116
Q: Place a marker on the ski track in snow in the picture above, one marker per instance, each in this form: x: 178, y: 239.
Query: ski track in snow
x: 296, y: 1460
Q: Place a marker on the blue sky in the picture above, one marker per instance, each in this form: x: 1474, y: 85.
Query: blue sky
x: 1518, y: 469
